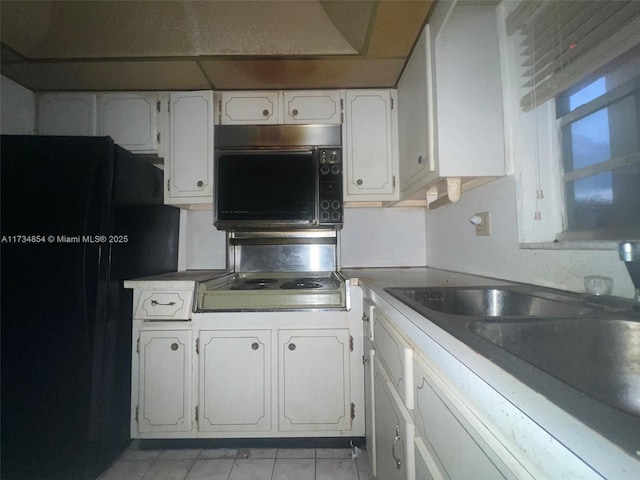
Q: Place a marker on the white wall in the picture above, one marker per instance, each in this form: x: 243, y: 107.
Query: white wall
x: 383, y: 237
x: 452, y: 245
x: 371, y: 237
x: 17, y: 106
x: 204, y: 245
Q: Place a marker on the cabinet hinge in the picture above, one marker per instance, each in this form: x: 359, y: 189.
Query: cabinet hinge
x: 198, y: 346
x: 169, y: 106
x: 158, y: 137
x: 219, y: 111
x: 197, y: 412
x: 353, y: 411
x: 159, y: 106
x: 342, y: 117
x: 364, y: 360
x: 391, y: 103
x: 168, y: 184
x: 351, y: 343
x: 138, y: 345
x: 137, y: 409
x: 394, y: 182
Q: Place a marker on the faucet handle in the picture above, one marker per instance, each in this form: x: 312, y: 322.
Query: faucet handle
x: 629, y: 251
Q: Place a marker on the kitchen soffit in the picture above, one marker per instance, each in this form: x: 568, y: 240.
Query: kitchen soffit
x: 219, y: 44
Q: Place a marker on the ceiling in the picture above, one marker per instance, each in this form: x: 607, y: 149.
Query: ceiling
x: 94, y: 45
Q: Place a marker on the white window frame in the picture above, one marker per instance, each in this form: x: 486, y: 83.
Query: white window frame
x: 534, y: 158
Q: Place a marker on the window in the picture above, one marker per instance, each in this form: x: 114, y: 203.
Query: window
x: 599, y: 121
x: 585, y: 55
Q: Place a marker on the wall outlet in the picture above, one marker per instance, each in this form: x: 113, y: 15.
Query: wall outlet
x: 483, y: 229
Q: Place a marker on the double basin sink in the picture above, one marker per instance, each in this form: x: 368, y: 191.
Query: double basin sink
x: 590, y: 344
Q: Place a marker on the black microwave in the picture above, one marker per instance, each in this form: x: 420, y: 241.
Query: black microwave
x: 278, y: 177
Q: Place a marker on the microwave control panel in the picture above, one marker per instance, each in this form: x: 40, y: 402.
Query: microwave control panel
x: 330, y: 202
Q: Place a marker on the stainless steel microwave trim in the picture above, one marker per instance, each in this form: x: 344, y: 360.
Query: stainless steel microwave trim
x: 277, y: 136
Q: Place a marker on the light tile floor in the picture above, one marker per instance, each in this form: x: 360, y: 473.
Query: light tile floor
x: 239, y: 464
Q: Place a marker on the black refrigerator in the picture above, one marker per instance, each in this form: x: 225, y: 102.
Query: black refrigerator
x: 79, y: 216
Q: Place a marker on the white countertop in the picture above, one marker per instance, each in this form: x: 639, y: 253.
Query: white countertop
x: 184, y: 280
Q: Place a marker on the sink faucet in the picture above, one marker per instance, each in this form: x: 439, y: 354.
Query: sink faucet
x: 630, y: 254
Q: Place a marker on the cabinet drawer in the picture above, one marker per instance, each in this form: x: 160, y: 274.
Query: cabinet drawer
x: 167, y: 305
x: 396, y: 355
x: 459, y: 443
x: 394, y: 431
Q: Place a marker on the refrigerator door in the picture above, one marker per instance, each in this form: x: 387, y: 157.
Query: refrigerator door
x: 67, y: 205
x: 54, y: 191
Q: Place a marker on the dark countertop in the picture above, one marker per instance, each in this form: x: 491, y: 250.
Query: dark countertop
x: 605, y: 438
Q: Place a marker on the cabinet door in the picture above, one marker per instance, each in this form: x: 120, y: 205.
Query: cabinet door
x: 314, y: 380
x: 449, y: 439
x: 394, y: 434
x: 468, y: 90
x: 189, y: 167
x: 324, y: 107
x: 235, y: 380
x: 67, y: 114
x: 369, y: 146
x: 164, y: 390
x: 249, y: 108
x: 131, y: 119
x: 369, y: 400
x: 414, y: 123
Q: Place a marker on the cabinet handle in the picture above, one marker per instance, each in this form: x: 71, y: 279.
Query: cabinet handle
x: 174, y: 346
x: 200, y: 183
x: 359, y: 181
x: 294, y: 112
x: 265, y: 112
x: 255, y: 346
x: 155, y: 303
x: 365, y: 318
x: 393, y: 447
x: 292, y: 346
x: 420, y: 160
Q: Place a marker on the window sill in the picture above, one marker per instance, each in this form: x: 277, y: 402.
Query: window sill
x: 572, y: 245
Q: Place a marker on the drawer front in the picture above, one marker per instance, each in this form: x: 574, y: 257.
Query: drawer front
x: 167, y: 305
x: 396, y: 355
x: 394, y: 431
x: 449, y: 437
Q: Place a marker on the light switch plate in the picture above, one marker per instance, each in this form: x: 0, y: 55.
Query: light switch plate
x: 484, y: 228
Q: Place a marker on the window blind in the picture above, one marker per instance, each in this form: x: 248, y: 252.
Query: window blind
x: 564, y: 41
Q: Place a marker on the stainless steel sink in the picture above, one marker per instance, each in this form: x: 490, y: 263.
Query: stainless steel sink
x: 487, y: 302
x: 600, y: 357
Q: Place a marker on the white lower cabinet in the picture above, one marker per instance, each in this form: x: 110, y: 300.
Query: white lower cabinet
x: 235, y: 380
x: 248, y: 375
x: 454, y: 439
x: 164, y: 381
x: 370, y: 404
x: 394, y: 431
x: 313, y: 378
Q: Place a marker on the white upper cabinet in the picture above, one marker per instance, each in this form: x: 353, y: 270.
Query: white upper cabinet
x: 280, y: 107
x: 131, y: 119
x: 315, y: 106
x: 67, y: 114
x: 248, y: 108
x: 369, y: 146
x: 189, y: 165
x: 415, y: 145
x: 450, y: 101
